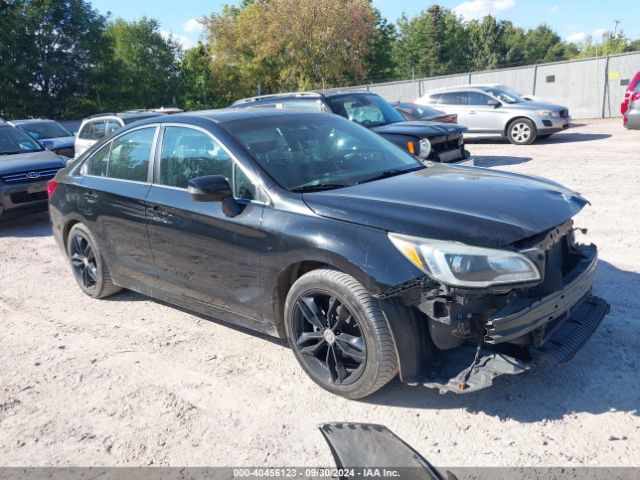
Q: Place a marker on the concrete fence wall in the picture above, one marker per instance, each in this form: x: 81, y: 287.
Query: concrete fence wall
x: 591, y: 88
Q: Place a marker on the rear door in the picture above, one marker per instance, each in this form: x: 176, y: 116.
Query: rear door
x: 111, y: 194
x: 454, y: 103
x: 200, y: 252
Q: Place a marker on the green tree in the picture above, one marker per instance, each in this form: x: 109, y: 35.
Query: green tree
x: 609, y: 44
x: 48, y: 49
x: 430, y: 43
x: 544, y: 45
x: 379, y: 60
x: 486, y: 43
x: 142, y: 71
x: 196, y: 88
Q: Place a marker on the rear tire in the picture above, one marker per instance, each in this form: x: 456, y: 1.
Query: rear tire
x: 339, y: 335
x: 522, y: 131
x: 88, y: 266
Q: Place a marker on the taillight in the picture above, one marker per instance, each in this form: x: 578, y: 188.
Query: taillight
x: 51, y: 187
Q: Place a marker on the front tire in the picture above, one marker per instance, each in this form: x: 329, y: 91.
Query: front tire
x: 88, y: 266
x: 339, y: 335
x: 522, y: 131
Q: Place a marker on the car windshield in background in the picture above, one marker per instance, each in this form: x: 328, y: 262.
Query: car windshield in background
x: 320, y: 153
x: 44, y: 130
x: 505, y: 95
x: 367, y: 110
x: 13, y: 141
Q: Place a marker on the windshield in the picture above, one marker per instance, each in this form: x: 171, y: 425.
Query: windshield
x: 367, y: 110
x: 13, y: 140
x: 505, y: 94
x: 44, y: 130
x: 319, y: 151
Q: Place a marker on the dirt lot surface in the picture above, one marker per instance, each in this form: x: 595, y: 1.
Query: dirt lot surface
x: 131, y: 381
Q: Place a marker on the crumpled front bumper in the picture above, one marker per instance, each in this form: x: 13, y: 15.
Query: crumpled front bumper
x: 561, y: 323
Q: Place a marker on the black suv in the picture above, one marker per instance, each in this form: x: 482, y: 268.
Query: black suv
x: 310, y: 227
x: 433, y: 141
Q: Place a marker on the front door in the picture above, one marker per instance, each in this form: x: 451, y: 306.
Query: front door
x: 483, y: 115
x: 200, y: 252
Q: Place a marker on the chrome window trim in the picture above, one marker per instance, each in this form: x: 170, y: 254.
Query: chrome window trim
x: 234, y: 162
x: 82, y: 169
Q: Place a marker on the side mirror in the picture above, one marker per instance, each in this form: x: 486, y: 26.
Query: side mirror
x: 47, y: 144
x: 494, y: 103
x: 212, y: 188
x: 215, y: 188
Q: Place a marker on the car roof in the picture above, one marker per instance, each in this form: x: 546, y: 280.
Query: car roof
x: 224, y: 115
x: 127, y: 115
x: 473, y: 86
x: 308, y: 95
x: 27, y: 121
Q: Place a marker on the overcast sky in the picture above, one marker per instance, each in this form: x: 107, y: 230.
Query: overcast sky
x: 572, y: 19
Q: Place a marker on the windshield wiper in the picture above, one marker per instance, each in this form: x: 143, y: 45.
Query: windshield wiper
x: 317, y: 186
x: 389, y: 173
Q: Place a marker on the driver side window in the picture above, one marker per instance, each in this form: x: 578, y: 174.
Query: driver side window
x: 479, y: 99
x: 188, y: 153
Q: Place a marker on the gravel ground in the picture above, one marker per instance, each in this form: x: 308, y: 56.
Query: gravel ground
x: 131, y: 381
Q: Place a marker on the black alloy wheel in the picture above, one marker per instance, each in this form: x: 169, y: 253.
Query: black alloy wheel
x: 83, y: 261
x: 339, y: 334
x: 329, y: 338
x: 88, y: 266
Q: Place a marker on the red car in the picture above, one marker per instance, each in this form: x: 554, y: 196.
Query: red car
x: 631, y: 94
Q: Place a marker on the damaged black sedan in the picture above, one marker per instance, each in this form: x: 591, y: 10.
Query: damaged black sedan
x: 310, y: 227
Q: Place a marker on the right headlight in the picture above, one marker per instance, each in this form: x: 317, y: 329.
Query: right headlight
x: 425, y: 148
x: 461, y: 265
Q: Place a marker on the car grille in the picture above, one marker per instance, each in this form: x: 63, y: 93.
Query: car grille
x: 26, y: 197
x: 445, y: 146
x: 30, y: 176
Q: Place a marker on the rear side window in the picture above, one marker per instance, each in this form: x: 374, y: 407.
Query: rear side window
x: 93, y: 131
x: 130, y: 154
x: 112, y: 126
x: 100, y: 161
x: 188, y: 153
x: 454, y: 98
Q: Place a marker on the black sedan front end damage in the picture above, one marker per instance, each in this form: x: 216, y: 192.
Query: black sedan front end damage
x: 472, y: 336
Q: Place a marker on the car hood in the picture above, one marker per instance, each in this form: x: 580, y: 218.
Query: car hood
x: 536, y: 105
x: 467, y: 204
x: 22, y: 162
x: 59, y: 142
x: 419, y: 128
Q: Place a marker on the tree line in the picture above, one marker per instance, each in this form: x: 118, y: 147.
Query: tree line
x: 63, y: 59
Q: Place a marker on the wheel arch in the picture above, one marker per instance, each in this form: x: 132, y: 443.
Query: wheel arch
x: 519, y: 117
x: 294, y: 270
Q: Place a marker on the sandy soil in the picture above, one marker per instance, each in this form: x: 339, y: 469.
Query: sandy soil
x: 130, y: 381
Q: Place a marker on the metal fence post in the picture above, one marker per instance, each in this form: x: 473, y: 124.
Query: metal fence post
x: 535, y: 78
x: 605, y: 94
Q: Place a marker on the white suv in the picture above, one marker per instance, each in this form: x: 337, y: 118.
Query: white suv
x: 97, y: 127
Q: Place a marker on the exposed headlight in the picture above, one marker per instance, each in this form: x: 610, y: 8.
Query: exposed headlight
x: 460, y: 265
x: 425, y: 148
x: 547, y: 113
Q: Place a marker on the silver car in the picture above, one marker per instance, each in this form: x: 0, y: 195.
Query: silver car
x: 496, y: 109
x: 631, y: 118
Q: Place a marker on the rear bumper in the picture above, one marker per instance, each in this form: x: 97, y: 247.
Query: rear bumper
x: 632, y: 119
